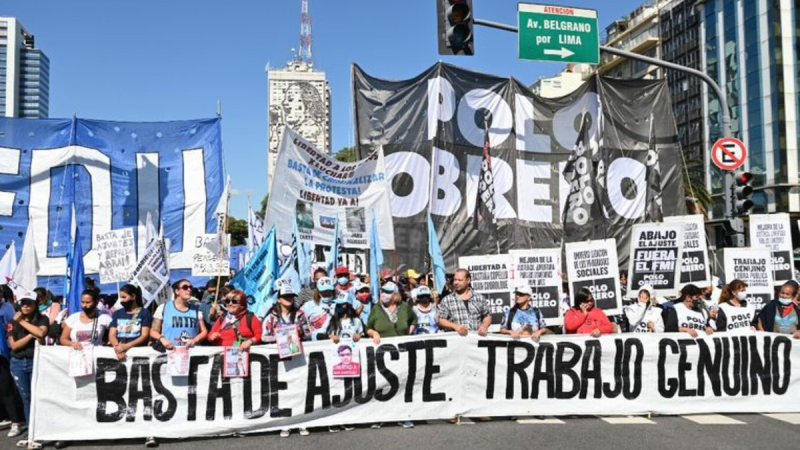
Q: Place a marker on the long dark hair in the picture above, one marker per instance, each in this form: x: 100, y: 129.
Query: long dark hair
x: 581, y: 297
x: 7, y: 294
x: 133, y: 291
x: 336, y: 321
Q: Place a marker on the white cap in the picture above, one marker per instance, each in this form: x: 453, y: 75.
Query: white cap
x: 27, y: 295
x: 420, y: 291
x: 523, y: 289
x: 389, y: 286
x: 647, y: 288
x: 358, y: 285
x: 286, y: 289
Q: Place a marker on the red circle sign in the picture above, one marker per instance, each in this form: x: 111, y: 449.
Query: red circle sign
x: 728, y: 153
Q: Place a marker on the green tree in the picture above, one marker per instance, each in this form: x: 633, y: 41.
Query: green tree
x: 237, y: 230
x: 347, y: 154
x: 262, y: 212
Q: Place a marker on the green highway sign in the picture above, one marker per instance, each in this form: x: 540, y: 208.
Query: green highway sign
x: 558, y: 33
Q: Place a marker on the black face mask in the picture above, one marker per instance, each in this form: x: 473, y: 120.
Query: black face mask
x: 424, y: 301
x: 89, y: 311
x: 129, y: 306
x: 697, y: 303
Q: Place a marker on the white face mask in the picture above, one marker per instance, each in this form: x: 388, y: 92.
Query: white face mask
x: 741, y: 295
x: 386, y: 298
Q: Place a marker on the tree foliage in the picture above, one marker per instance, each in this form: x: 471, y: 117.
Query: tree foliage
x: 238, y: 231
x: 347, y: 154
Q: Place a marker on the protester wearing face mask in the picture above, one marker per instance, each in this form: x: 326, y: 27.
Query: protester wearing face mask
x: 320, y: 310
x: 689, y: 315
x: 734, y: 311
x: 363, y: 300
x: 87, y: 326
x: 426, y: 311
x: 130, y: 326
x: 345, y: 324
x: 644, y: 316
x: 391, y: 317
x: 28, y: 326
x: 523, y: 319
x: 46, y: 305
x: 343, y: 280
x: 585, y: 318
x: 781, y: 315
x: 310, y: 293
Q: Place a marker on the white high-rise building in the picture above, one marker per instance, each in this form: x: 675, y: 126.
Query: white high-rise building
x: 300, y: 98
x: 24, y: 73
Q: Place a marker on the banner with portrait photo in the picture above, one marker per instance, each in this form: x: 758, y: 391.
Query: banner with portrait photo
x: 541, y: 270
x: 753, y: 265
x: 695, y: 264
x: 655, y: 258
x: 491, y: 277
x: 315, y: 190
x: 774, y: 232
x: 594, y: 265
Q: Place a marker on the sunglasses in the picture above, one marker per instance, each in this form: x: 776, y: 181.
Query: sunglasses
x: 230, y: 301
x: 185, y: 287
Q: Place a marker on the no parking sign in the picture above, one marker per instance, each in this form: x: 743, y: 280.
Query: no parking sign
x: 728, y: 153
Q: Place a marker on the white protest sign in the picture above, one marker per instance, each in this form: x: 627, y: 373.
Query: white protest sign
x: 774, y: 232
x: 208, y: 259
x: 439, y: 376
x: 541, y: 270
x: 695, y: 266
x: 655, y: 258
x: 753, y: 265
x: 117, y: 255
x: 315, y: 189
x: 152, y: 273
x: 594, y: 265
x: 491, y: 277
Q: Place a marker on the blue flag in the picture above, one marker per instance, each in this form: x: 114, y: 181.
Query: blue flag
x: 302, y: 258
x: 375, y: 260
x: 257, y: 277
x: 76, y: 276
x: 336, y: 249
x: 435, y: 252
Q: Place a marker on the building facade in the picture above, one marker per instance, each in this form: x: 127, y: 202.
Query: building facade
x: 564, y: 83
x: 638, y: 32
x: 24, y: 73
x: 751, y: 51
x: 300, y: 98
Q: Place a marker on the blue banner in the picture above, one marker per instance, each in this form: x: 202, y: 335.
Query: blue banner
x: 257, y: 278
x: 113, y: 173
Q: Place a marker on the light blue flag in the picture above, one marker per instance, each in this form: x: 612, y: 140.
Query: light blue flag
x: 76, y: 281
x: 375, y: 260
x: 257, y: 277
x: 435, y: 252
x: 290, y: 269
x: 303, y: 261
x: 336, y: 249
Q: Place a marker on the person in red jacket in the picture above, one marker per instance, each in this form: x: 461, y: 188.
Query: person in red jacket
x: 584, y: 318
x: 239, y: 327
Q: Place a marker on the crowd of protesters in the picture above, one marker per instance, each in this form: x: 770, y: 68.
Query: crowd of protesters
x: 342, y: 308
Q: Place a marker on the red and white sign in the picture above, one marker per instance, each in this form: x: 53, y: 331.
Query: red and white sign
x: 728, y: 153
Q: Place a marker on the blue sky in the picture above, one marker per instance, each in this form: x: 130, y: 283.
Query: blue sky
x: 149, y: 60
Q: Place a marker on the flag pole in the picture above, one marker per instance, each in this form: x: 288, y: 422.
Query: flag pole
x: 222, y: 236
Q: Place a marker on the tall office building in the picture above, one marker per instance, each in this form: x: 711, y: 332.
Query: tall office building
x: 638, y: 32
x: 24, y: 73
x: 751, y: 50
x: 300, y: 98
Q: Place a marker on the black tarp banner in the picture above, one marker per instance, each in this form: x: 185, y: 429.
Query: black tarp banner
x: 433, y: 154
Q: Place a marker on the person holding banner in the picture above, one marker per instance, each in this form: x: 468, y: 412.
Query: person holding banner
x: 239, y: 327
x: 734, y: 312
x: 11, y: 409
x: 320, y: 310
x: 86, y: 326
x: 130, y: 326
x: 392, y: 317
x: 584, y: 318
x: 345, y: 323
x: 523, y: 319
x: 689, y: 315
x: 464, y: 310
x: 781, y: 315
x: 179, y: 323
x: 28, y: 326
x: 425, y: 311
x: 644, y: 316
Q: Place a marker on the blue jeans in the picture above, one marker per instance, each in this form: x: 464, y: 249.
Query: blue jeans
x: 22, y: 371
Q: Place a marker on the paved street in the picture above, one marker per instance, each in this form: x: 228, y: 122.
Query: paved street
x: 731, y: 431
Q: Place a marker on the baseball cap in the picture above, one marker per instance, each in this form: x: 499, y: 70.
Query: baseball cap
x: 342, y: 270
x: 411, y: 273
x: 286, y: 290
x: 358, y: 285
x: 523, y: 289
x: 324, y: 284
x: 28, y: 295
x: 342, y: 298
x: 389, y: 286
x: 422, y: 291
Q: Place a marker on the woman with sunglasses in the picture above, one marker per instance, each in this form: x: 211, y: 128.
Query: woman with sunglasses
x: 585, y: 318
x: 238, y: 327
x: 179, y: 323
x: 28, y: 326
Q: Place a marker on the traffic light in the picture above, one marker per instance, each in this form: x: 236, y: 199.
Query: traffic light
x: 742, y: 193
x: 455, y: 27
x: 733, y: 233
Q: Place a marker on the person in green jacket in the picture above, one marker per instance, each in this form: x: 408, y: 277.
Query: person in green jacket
x: 392, y: 316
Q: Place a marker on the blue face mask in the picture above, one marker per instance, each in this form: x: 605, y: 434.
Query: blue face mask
x: 785, y: 301
x: 343, y: 281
